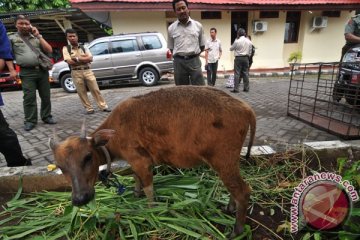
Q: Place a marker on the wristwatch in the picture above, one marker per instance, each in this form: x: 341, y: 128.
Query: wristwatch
x: 39, y: 36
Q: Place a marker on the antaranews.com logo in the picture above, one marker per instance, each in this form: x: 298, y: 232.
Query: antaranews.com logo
x: 321, y: 201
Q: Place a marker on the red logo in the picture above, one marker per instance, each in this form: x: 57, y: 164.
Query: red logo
x: 325, y: 205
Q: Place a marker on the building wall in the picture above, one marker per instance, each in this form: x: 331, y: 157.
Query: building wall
x: 319, y: 45
x: 324, y: 44
x: 270, y: 44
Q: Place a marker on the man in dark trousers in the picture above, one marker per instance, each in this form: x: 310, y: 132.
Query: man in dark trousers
x: 32, y: 75
x: 242, y: 50
x: 9, y: 143
x: 186, y: 41
x: 213, y: 53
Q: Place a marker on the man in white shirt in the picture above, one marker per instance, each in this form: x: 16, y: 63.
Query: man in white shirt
x: 186, y: 41
x: 213, y: 53
x: 242, y: 49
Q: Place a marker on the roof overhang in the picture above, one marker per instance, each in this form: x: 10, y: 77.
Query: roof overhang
x: 213, y: 5
x: 50, y: 23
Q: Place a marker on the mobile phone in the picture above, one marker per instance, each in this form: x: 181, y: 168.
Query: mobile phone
x: 32, y: 29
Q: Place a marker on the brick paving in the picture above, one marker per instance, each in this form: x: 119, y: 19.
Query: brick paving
x: 268, y: 97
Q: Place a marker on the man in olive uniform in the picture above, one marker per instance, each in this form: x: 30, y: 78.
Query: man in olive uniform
x: 33, y: 77
x: 79, y: 59
x: 352, y: 34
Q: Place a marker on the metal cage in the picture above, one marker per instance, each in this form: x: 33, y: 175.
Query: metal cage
x: 318, y: 96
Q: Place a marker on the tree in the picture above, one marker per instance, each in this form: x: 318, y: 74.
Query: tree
x: 20, y: 5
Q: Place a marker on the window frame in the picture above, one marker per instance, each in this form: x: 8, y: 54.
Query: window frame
x: 133, y: 40
x: 98, y: 43
x: 211, y: 15
x: 294, y: 19
x: 269, y: 14
x: 151, y: 36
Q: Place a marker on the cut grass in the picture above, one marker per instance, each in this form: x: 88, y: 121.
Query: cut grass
x: 187, y: 207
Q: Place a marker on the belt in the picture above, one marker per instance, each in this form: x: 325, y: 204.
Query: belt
x: 80, y: 68
x: 33, y: 67
x: 186, y: 57
x: 242, y: 56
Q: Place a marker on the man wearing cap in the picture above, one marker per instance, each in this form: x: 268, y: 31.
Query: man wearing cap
x: 242, y: 50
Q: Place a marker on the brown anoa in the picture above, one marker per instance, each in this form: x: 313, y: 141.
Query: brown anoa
x: 181, y: 126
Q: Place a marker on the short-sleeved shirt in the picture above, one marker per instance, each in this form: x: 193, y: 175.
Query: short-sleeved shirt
x: 214, y: 49
x: 186, y: 39
x: 75, y: 52
x: 242, y: 47
x: 353, y: 26
x: 24, y: 56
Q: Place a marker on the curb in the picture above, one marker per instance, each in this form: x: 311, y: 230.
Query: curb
x: 39, y: 178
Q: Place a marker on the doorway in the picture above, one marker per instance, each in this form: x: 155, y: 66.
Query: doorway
x: 238, y: 20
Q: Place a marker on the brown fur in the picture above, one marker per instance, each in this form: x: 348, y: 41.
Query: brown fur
x: 182, y: 126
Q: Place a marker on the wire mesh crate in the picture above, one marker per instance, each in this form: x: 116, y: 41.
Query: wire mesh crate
x: 318, y: 95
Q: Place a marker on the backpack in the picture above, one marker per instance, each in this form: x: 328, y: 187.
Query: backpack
x: 69, y: 51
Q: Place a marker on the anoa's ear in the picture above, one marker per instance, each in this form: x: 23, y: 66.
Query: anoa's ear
x: 100, y: 138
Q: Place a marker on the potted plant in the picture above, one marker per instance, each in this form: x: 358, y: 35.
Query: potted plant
x: 293, y: 59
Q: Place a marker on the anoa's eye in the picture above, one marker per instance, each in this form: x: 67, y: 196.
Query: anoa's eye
x: 87, y: 159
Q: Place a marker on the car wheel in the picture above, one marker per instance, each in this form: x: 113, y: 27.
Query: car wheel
x: 149, y: 76
x: 338, y: 92
x: 352, y: 97
x: 67, y: 83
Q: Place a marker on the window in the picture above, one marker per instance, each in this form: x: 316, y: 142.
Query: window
x: 292, y: 27
x: 99, y: 49
x: 210, y: 15
x: 128, y: 45
x: 151, y: 42
x: 331, y: 13
x: 269, y: 14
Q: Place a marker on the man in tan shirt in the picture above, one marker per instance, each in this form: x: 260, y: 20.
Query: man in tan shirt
x: 186, y: 41
x: 79, y: 62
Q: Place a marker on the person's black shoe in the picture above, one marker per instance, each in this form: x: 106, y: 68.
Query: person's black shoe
x: 29, y: 126
x: 90, y: 112
x: 234, y: 91
x: 246, y: 90
x: 106, y: 110
x: 28, y: 162
x: 49, y: 120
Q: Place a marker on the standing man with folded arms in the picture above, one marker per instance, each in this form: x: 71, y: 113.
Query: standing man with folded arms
x: 33, y: 77
x: 79, y: 59
x: 186, y: 41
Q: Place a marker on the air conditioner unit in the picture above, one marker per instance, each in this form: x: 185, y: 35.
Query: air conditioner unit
x: 260, y: 26
x: 319, y: 22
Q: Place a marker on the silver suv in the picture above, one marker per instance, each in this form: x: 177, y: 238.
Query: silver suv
x: 122, y: 58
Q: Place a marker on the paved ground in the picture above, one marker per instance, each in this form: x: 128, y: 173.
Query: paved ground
x: 268, y: 97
